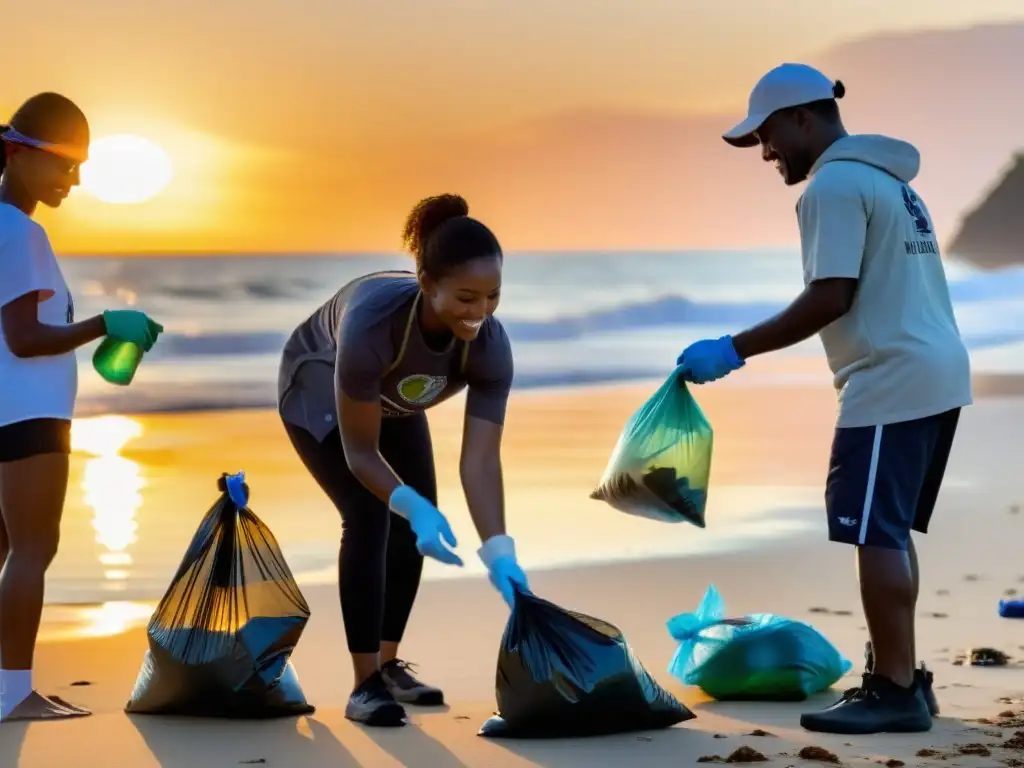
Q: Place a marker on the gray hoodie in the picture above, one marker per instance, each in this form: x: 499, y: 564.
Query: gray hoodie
x: 897, y: 354
x: 894, y: 156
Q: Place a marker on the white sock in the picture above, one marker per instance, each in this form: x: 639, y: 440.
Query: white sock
x: 15, y: 686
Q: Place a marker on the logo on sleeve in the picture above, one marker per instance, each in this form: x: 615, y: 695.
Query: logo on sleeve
x: 420, y: 389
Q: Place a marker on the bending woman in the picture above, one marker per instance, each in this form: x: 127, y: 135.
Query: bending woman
x: 355, y: 380
x: 42, y: 148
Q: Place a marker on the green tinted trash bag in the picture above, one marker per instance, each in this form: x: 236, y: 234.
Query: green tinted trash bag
x: 661, y: 464
x: 759, y: 657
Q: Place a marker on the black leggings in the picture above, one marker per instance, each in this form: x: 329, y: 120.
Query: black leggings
x: 379, y: 566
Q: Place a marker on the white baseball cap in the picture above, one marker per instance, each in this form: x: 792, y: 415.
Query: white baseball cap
x: 788, y: 85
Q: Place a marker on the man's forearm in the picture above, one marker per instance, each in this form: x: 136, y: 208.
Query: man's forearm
x: 809, y: 313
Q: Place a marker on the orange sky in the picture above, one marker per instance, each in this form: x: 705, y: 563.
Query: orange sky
x: 315, y: 130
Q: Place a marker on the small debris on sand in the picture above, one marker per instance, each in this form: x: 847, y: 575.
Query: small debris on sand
x: 1015, y: 742
x: 982, y: 657
x: 746, y: 755
x: 760, y: 732
x: 818, y: 753
x: 974, y: 749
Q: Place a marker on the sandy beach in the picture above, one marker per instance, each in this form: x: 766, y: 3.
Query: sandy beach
x: 771, y: 452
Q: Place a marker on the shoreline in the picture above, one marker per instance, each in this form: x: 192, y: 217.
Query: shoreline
x: 139, y: 485
x: 792, y: 372
x: 85, y: 619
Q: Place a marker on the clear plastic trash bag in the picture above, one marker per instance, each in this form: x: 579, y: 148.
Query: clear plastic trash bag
x: 662, y: 462
x: 221, y: 638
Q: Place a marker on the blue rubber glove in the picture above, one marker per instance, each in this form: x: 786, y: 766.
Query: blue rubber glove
x: 430, y: 526
x: 133, y: 326
x: 499, y: 555
x: 709, y: 360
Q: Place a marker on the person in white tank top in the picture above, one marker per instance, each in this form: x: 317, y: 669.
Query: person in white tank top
x: 40, y: 154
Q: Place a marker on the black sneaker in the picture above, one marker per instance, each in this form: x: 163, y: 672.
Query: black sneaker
x: 878, y: 706
x: 922, y: 676
x: 372, y: 704
x: 404, y: 687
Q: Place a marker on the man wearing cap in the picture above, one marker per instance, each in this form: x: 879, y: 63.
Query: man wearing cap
x: 876, y: 292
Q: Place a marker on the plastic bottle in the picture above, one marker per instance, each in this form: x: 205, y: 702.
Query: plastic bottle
x: 116, y: 361
x: 1011, y: 609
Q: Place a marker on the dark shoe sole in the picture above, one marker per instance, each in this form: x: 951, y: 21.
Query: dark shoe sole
x: 906, y: 725
x: 386, y: 716
x: 423, y: 699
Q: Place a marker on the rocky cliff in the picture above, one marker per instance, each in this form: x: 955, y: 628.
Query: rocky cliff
x: 991, y: 235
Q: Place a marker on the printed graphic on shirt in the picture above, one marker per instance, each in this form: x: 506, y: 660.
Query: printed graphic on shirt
x: 926, y: 244
x: 69, y: 315
x: 420, y: 389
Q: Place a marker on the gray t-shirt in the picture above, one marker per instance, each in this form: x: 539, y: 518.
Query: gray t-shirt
x: 368, y: 333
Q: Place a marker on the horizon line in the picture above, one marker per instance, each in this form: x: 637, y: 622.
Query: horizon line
x: 222, y: 253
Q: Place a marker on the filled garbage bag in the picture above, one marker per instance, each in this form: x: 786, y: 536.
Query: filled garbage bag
x: 758, y: 657
x: 222, y: 636
x: 563, y: 674
x: 660, y: 466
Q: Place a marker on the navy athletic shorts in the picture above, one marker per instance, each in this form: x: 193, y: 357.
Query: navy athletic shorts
x: 883, y: 481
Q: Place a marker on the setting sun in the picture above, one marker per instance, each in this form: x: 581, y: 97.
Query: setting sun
x: 126, y: 169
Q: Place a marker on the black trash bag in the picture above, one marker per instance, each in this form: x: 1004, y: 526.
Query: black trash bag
x: 221, y: 639
x: 564, y: 674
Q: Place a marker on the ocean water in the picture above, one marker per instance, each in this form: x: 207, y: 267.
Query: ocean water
x: 572, y: 318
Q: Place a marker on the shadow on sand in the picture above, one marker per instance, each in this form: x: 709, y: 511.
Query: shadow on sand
x: 194, y: 742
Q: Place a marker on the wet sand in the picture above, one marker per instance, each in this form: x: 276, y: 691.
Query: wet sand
x: 769, y: 440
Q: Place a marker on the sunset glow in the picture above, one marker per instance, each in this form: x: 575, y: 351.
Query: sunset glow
x: 567, y: 125
x: 126, y: 169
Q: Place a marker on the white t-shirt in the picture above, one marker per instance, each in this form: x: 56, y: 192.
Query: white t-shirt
x: 37, y: 387
x: 897, y: 354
